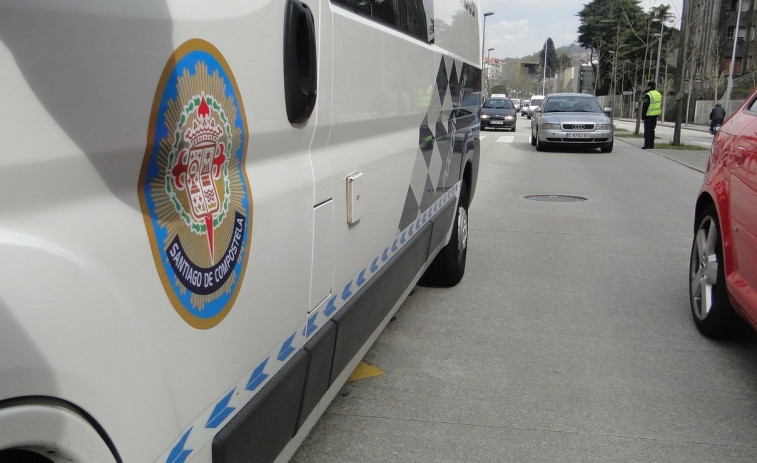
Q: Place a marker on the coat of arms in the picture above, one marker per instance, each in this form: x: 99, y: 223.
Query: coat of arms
x: 193, y: 189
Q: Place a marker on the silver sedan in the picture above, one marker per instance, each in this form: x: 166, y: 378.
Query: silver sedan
x: 571, y: 119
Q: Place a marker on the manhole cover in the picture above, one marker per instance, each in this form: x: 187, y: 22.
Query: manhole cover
x: 555, y: 198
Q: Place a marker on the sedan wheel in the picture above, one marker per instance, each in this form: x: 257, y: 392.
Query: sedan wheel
x: 540, y: 145
x: 708, y: 296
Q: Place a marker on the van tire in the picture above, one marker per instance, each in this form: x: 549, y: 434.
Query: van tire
x: 448, y: 267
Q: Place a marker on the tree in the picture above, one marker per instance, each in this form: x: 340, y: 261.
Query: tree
x: 552, y: 62
x: 622, y: 28
x: 602, y: 22
x: 564, y: 61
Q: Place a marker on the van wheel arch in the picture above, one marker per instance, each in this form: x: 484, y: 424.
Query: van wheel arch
x: 35, y: 437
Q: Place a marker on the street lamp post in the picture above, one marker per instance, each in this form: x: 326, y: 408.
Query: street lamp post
x: 483, y: 41
x: 612, y: 80
x: 544, y: 78
x: 483, y: 47
x: 488, y: 69
x: 659, y: 52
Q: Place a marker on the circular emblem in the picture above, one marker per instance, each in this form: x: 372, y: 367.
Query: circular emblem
x: 193, y: 188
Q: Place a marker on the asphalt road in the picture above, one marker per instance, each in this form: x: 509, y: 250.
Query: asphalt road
x: 570, y: 337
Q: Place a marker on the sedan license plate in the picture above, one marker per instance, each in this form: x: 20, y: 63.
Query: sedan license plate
x: 578, y: 135
x: 498, y: 122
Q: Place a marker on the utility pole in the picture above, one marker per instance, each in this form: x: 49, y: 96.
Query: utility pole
x: 729, y: 87
x: 681, y: 76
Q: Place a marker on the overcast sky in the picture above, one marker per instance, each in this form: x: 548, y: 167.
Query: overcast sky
x: 519, y: 28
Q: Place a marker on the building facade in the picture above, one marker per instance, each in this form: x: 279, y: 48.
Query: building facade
x: 713, y: 26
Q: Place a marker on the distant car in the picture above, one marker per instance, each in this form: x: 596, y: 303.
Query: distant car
x: 571, y: 119
x: 723, y: 265
x: 498, y: 113
x: 517, y: 103
x: 534, y: 103
x: 524, y: 108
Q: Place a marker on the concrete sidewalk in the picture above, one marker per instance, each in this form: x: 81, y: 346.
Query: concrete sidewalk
x: 695, y: 159
x: 697, y: 127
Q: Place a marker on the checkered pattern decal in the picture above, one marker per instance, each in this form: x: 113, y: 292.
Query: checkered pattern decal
x: 438, y: 157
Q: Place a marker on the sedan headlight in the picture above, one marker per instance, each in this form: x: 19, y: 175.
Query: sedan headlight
x: 549, y: 125
x: 484, y: 116
x: 604, y: 126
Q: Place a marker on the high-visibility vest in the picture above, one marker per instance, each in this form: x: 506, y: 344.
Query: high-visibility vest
x: 655, y: 103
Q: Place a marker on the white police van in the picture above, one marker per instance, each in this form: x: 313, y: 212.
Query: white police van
x: 211, y: 210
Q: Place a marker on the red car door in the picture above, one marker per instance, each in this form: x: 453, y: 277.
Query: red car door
x: 743, y: 209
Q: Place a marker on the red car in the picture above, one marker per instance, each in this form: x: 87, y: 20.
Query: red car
x: 723, y: 269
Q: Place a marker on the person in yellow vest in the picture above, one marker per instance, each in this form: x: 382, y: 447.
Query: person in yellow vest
x: 650, y: 111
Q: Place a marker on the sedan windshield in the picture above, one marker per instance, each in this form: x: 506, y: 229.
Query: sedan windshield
x: 498, y: 103
x: 572, y: 104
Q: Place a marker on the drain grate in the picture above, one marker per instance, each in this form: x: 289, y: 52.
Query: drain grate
x: 555, y: 198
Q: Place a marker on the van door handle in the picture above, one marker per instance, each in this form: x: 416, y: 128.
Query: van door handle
x: 300, y: 67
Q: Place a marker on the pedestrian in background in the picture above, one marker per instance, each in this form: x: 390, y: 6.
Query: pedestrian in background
x: 716, y: 117
x: 650, y: 111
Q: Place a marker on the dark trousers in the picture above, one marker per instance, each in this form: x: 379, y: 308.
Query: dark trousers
x: 650, y: 123
x: 713, y: 123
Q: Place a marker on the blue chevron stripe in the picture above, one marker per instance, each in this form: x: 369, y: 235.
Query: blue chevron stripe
x: 330, y: 307
x: 257, y: 377
x: 286, y: 348
x: 178, y: 453
x: 221, y: 411
x: 361, y: 277
x: 346, y: 293
x: 312, y: 327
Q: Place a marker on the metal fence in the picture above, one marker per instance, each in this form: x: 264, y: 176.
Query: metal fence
x: 623, y: 106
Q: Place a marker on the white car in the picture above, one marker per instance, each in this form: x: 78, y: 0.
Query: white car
x: 516, y: 104
x: 534, y: 103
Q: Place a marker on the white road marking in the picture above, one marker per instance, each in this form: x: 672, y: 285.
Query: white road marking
x: 506, y: 139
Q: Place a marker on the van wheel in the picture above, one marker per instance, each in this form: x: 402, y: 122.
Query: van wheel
x: 448, y: 267
x: 708, y: 297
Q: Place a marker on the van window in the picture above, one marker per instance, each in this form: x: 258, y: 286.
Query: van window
x: 413, y: 17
